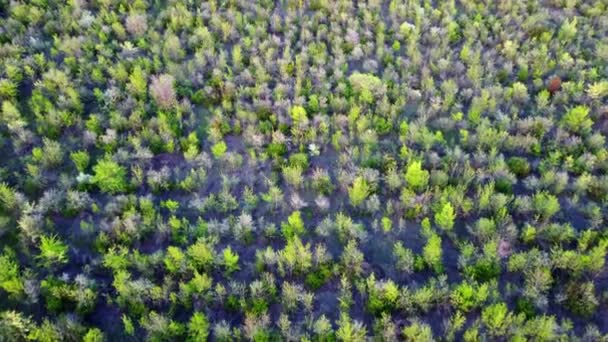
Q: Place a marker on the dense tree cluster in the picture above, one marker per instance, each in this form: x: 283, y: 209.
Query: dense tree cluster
x: 303, y: 170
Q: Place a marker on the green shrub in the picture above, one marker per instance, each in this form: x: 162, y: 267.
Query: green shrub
x: 137, y: 82
x: 433, y: 253
x: 198, y: 327
x: 230, y: 260
x: 298, y: 115
x: 487, y: 266
x: 200, y: 255
x: 568, y: 30
x: 109, y: 176
x: 7, y: 197
x: 359, y: 191
x: 219, y: 149
x: 276, y: 150
x: 174, y: 260
x: 10, y: 277
x: 497, y: 319
x: 545, y: 205
x: 8, y: 89
x: 382, y: 296
x: 519, y: 166
x: 598, y: 90
x: 577, y: 119
x: 581, y: 299
x: 293, y: 175
x: 526, y: 307
x: 295, y: 257
x: 467, y: 296
x: 503, y: 185
x: 116, y: 259
x: 52, y: 251
x: 405, y: 258
x: 416, y: 177
x: 294, y: 226
x: 387, y: 224
x: 365, y: 85
x: 318, y: 278
x: 129, y: 329
x: 485, y: 228
x: 81, y: 160
x: 349, y: 330
x: 93, y: 335
x: 444, y: 218
x: 171, y: 205
x: 418, y: 332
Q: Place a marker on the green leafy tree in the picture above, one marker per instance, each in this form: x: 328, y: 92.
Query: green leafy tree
x: 581, y: 299
x: 8, y: 200
x: 10, y: 276
x: 137, y: 82
x: 293, y: 175
x: 444, y: 218
x: 359, y: 191
x: 127, y: 323
x: 109, y: 176
x: 93, y: 335
x: 404, y: 257
x: 14, y: 326
x: 497, y: 319
x: 295, y: 257
x: 230, y: 260
x: 519, y: 166
x: 52, y: 250
x: 598, y: 90
x: 174, y: 259
x: 349, y: 330
x: 433, y: 253
x: 387, y: 224
x: 467, y: 296
x: 416, y: 177
x: 81, y: 160
x: 577, y: 119
x: 200, y: 255
x: 298, y: 115
x: 294, y: 226
x: 219, y: 149
x: 418, y: 332
x: 198, y: 327
x: 546, y: 205
x: 365, y: 82
x: 568, y: 30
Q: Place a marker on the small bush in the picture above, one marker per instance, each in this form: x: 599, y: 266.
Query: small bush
x: 496, y: 318
x: 230, y: 260
x: 109, y: 176
x: 581, y: 299
x: 198, y: 327
x: 416, y: 177
x: 294, y: 226
x: 577, y: 119
x: 52, y: 251
x: 81, y: 160
x: 359, y: 191
x: 219, y: 149
x: 519, y: 166
x: 444, y: 218
x: 467, y: 296
x: 545, y: 205
x: 433, y: 253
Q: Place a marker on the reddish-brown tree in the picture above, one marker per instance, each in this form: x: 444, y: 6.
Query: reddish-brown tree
x: 555, y: 85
